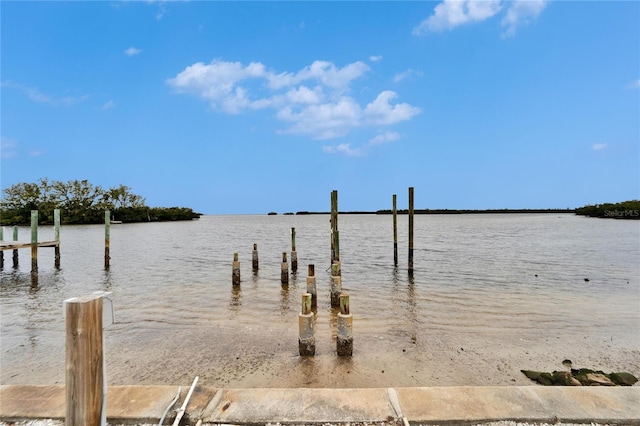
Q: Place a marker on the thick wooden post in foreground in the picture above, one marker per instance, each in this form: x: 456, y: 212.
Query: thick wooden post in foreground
x: 34, y: 241
x: 395, y: 232
x: 311, y: 285
x: 306, y: 339
x: 411, y: 230
x: 344, y: 341
x: 56, y: 231
x: 107, y: 238
x: 84, y: 360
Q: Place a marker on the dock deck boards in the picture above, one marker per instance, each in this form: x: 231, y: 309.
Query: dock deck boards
x: 15, y: 245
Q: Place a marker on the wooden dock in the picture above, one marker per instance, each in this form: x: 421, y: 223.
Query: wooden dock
x: 15, y: 245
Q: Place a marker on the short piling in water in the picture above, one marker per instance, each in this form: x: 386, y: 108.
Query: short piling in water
x: 395, y: 232
x: 307, y: 339
x: 56, y: 231
x: 311, y: 285
x: 336, y: 284
x: 254, y: 258
x: 410, y: 230
x: 34, y: 241
x: 107, y: 238
x: 235, y: 270
x: 344, y: 341
x: 15, y: 251
x: 294, y: 254
x: 284, y: 269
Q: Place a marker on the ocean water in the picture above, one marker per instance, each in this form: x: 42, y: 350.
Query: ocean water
x: 486, y: 276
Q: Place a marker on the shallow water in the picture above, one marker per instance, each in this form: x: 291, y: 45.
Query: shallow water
x: 501, y: 285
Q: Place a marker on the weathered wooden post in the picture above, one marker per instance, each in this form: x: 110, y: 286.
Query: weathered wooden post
x: 311, y: 285
x: 15, y: 251
x: 335, y: 234
x: 294, y: 254
x: 235, y: 270
x: 254, y: 258
x: 34, y: 241
x: 336, y: 285
x: 307, y: 340
x: 107, y: 238
x: 84, y: 360
x: 284, y: 269
x: 395, y: 232
x: 344, y: 342
x: 1, y: 251
x: 411, y: 230
x: 56, y: 231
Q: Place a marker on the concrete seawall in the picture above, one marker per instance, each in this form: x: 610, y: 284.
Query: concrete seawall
x: 430, y: 405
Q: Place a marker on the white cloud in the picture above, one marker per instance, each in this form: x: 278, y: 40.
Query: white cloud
x: 452, y: 13
x: 322, y: 109
x: 405, y: 74
x: 108, y: 105
x: 521, y: 12
x: 37, y: 96
x: 375, y: 58
x: 37, y: 152
x: 381, y: 112
x: 8, y: 147
x: 132, y: 51
x: 385, y: 137
x: 343, y: 148
x: 635, y: 84
x: 598, y: 146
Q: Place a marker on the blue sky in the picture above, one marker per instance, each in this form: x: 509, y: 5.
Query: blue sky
x: 251, y: 107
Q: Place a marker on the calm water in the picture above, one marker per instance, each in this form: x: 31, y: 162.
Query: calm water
x: 474, y: 275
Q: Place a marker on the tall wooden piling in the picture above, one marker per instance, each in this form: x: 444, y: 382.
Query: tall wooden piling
x: 15, y: 251
x: 56, y: 231
x: 235, y: 270
x: 1, y: 251
x: 344, y: 341
x: 411, y: 230
x: 284, y: 269
x: 294, y: 253
x: 254, y: 258
x: 84, y: 360
x: 311, y: 285
x: 34, y: 241
x: 335, y: 236
x: 336, y: 285
x: 107, y: 238
x: 395, y: 231
x: 306, y: 339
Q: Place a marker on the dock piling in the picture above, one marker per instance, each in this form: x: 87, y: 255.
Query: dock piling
x: 254, y: 258
x: 336, y: 284
x: 34, y: 241
x: 395, y: 232
x: 2, y: 252
x: 56, y: 231
x: 84, y: 360
x: 344, y: 342
x: 15, y: 251
x: 411, y: 230
x: 307, y: 340
x: 235, y: 272
x: 107, y: 238
x: 311, y: 285
x: 294, y: 254
x: 284, y: 269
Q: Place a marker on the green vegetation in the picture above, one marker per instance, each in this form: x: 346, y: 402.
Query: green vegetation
x: 80, y: 202
x: 624, y: 210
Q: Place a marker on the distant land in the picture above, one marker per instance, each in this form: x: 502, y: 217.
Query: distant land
x: 622, y: 210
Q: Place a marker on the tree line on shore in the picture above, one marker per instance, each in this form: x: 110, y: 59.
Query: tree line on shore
x: 80, y: 202
x: 623, y: 210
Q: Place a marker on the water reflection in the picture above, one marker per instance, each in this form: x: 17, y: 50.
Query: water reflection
x: 236, y: 298
x: 284, y: 299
